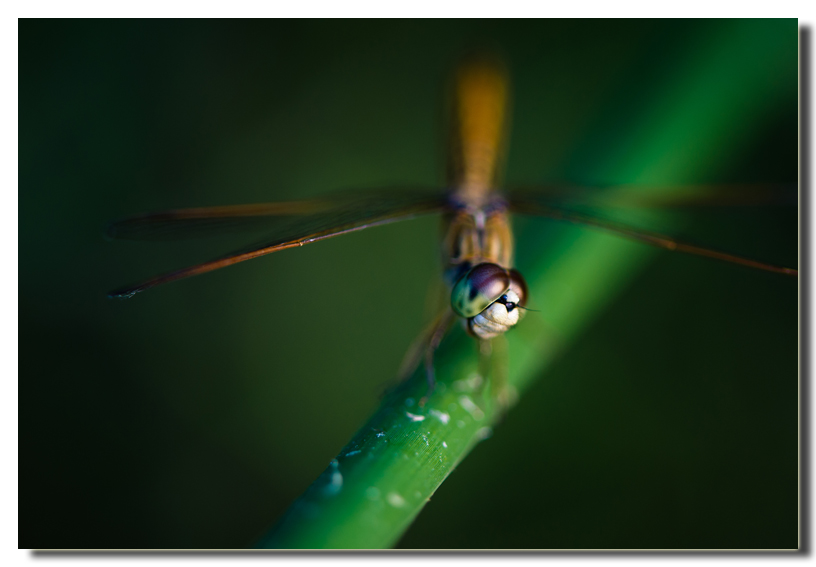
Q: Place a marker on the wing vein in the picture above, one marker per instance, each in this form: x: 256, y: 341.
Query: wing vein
x: 659, y: 240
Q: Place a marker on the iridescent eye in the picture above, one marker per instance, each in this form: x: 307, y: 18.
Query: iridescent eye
x: 518, y: 285
x: 478, y: 288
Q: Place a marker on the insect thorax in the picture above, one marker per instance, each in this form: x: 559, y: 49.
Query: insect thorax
x: 474, y: 237
x: 478, y: 255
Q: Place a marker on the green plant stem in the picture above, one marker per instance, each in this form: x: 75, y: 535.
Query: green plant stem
x: 372, y: 491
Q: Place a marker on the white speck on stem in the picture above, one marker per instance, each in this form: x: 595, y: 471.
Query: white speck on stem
x: 475, y: 380
x: 483, y: 433
x: 441, y: 416
x: 395, y: 500
x: 470, y: 383
x: 351, y: 453
x: 445, y: 445
x: 335, y: 480
x: 470, y: 407
x: 512, y: 395
x: 414, y: 417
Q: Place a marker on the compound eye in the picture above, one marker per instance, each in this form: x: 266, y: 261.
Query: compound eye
x: 518, y: 285
x: 478, y: 288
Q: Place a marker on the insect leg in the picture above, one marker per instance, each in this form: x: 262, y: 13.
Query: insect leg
x: 501, y: 390
x: 485, y: 361
x: 419, y: 348
x: 494, y: 367
x: 434, y: 338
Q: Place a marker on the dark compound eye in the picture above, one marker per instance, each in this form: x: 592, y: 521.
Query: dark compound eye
x: 480, y: 287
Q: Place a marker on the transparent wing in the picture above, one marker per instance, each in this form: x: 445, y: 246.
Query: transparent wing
x: 180, y: 224
x: 278, y: 218
x: 620, y: 196
x: 283, y: 225
x: 541, y: 203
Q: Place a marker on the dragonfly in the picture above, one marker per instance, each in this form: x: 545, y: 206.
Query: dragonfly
x: 486, y: 293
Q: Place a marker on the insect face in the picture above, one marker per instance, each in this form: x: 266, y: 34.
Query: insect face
x: 489, y: 297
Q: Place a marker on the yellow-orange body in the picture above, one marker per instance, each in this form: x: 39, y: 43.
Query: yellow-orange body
x: 479, y: 228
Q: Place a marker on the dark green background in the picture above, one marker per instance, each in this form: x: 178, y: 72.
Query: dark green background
x: 191, y: 416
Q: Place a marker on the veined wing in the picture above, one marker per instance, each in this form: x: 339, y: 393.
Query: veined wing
x: 638, y: 196
x: 531, y: 203
x: 178, y: 224
x: 283, y: 225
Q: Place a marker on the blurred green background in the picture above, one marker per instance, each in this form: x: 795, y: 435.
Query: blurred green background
x: 192, y: 415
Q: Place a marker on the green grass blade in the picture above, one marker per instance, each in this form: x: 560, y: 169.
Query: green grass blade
x: 383, y: 478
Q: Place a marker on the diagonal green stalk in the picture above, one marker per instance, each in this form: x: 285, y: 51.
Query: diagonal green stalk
x: 371, y: 492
